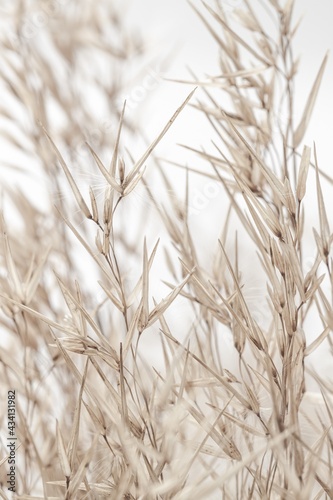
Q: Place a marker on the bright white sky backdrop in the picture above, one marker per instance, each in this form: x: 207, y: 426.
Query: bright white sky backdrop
x: 176, y: 33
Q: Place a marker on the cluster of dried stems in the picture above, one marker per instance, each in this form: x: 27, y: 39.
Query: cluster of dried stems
x: 94, y: 419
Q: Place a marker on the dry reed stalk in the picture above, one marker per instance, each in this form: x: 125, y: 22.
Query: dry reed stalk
x: 94, y: 419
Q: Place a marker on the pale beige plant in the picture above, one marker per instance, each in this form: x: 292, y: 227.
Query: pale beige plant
x: 94, y: 418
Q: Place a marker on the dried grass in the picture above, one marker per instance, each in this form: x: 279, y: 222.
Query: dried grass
x: 94, y: 418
